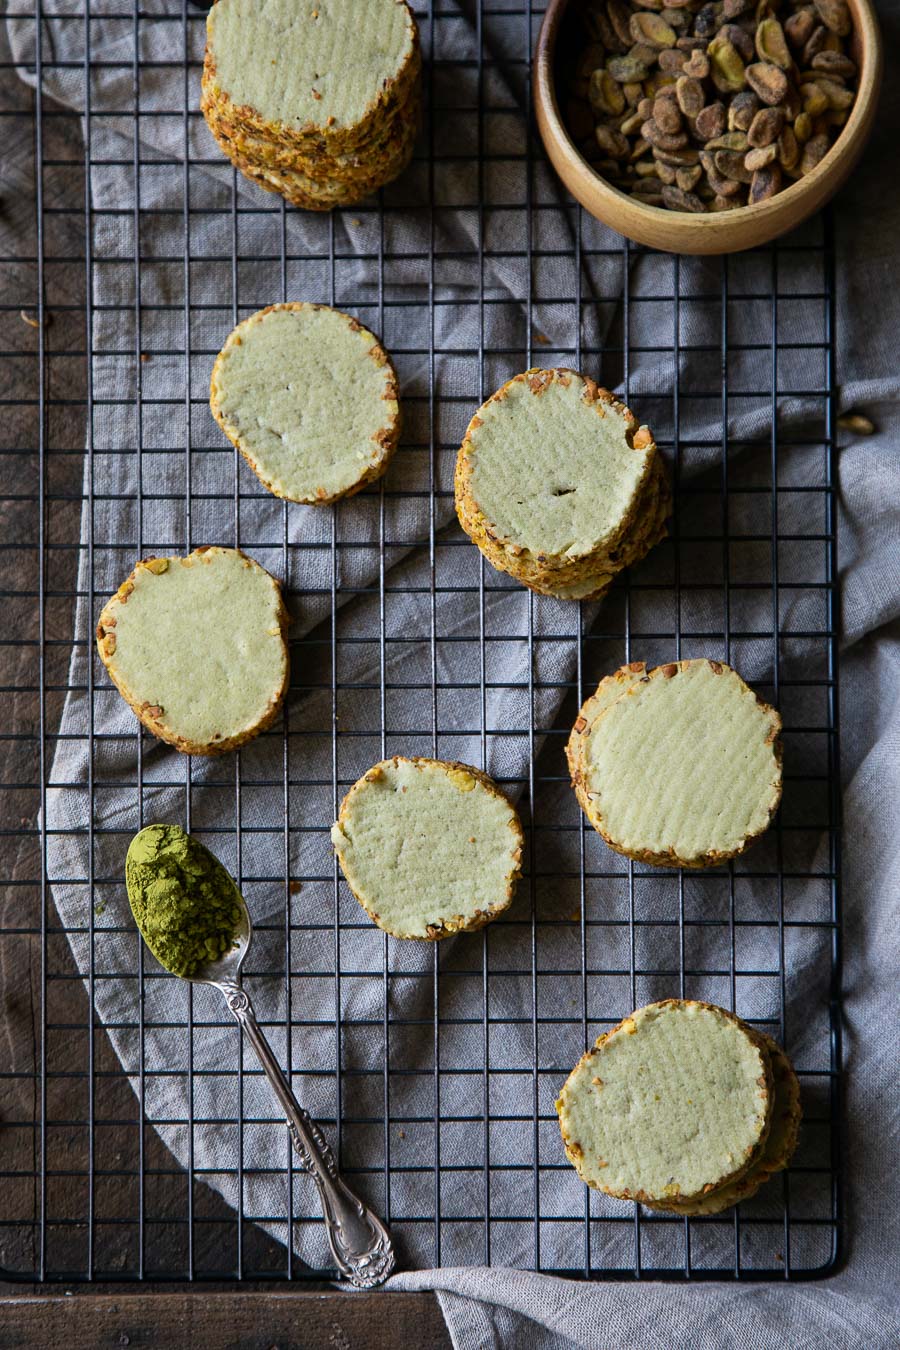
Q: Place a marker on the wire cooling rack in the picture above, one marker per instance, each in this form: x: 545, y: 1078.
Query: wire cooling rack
x: 448, y: 1127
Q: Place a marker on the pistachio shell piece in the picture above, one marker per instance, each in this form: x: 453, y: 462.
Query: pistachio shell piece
x: 855, y: 422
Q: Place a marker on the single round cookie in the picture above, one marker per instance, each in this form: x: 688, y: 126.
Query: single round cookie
x: 683, y: 769
x: 777, y: 1151
x: 300, y: 72
x: 197, y: 647
x: 309, y: 397
x: 429, y: 847
x: 553, y: 472
x: 672, y: 1103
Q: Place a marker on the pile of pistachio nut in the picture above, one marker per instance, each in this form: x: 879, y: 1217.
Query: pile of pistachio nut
x: 699, y: 106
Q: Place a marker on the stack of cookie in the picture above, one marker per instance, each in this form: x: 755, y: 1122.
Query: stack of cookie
x: 319, y: 101
x: 682, y: 1107
x: 559, y: 486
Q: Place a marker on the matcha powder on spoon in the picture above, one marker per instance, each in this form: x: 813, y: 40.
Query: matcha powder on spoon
x: 183, y: 900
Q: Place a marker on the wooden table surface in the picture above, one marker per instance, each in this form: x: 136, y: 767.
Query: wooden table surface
x: 93, y: 1316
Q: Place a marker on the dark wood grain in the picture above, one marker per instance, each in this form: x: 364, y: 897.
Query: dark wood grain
x: 42, y: 1316
x: 238, y: 1320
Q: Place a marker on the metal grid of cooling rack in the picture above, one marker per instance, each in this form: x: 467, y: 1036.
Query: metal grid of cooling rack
x: 448, y: 1127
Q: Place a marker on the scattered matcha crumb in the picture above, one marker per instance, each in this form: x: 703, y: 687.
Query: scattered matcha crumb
x: 183, y: 900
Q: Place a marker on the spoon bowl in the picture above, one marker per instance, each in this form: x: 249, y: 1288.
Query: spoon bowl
x: 227, y: 969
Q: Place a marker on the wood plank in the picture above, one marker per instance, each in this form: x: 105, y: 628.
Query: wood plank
x: 270, y: 1320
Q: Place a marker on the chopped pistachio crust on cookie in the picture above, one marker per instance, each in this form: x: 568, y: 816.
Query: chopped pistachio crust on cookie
x: 558, y: 485
x: 671, y: 1104
x: 197, y: 647
x: 429, y: 847
x: 309, y: 397
x: 682, y: 768
x: 777, y: 1152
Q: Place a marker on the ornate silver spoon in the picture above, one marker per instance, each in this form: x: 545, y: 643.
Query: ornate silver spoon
x: 360, y: 1243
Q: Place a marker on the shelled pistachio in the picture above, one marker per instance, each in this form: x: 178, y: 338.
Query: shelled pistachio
x: 706, y: 105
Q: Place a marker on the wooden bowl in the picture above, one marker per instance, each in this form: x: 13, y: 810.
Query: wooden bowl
x: 725, y: 231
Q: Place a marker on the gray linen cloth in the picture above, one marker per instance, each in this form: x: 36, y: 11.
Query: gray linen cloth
x: 146, y: 404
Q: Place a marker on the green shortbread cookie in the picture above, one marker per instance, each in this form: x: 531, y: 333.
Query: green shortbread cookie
x: 320, y: 65
x: 777, y: 1152
x: 428, y: 847
x: 197, y: 647
x: 309, y: 397
x: 671, y: 1104
x: 682, y: 769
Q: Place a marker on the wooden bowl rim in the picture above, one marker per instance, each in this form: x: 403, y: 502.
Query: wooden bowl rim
x: 866, y: 32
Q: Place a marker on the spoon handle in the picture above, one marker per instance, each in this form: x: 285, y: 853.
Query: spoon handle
x: 359, y: 1241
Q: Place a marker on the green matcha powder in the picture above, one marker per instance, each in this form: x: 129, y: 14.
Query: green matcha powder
x: 183, y: 900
